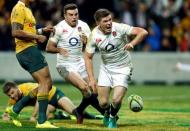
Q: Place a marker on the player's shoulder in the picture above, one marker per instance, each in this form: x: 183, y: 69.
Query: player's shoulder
x: 61, y: 23
x: 82, y: 23
x: 95, y: 32
x: 19, y: 6
x: 117, y: 24
x: 60, y: 26
x: 120, y: 26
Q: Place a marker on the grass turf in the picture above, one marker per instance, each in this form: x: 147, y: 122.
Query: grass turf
x: 166, y: 108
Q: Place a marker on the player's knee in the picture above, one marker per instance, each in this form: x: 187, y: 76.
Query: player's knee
x: 116, y: 101
x: 85, y: 91
x: 104, y: 103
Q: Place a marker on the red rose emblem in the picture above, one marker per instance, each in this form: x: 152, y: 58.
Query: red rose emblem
x: 98, y: 40
x: 114, y: 33
x: 65, y: 31
x: 79, y: 29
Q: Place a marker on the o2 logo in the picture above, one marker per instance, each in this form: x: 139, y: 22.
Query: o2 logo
x: 73, y: 41
x: 109, y: 47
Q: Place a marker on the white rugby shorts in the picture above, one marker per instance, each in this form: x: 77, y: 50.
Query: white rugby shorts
x: 77, y: 67
x: 112, y: 77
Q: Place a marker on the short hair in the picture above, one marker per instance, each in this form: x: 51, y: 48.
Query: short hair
x: 101, y: 13
x: 8, y: 85
x: 70, y: 6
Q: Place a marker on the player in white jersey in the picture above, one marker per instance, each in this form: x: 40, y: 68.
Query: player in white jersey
x: 70, y: 36
x: 112, y: 41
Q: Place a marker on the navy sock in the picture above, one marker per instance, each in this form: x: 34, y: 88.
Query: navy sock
x: 114, y: 110
x: 107, y: 111
x: 84, y: 103
x: 95, y: 103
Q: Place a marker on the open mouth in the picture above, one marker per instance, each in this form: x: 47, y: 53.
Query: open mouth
x: 108, y: 28
x: 74, y: 21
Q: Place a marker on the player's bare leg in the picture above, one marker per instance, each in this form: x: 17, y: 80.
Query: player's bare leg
x: 88, y: 97
x: 118, y: 94
x: 66, y: 104
x: 76, y: 80
x: 43, y: 78
x: 103, y: 96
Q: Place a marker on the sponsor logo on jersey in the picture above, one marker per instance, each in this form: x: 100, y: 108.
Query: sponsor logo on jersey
x: 109, y: 47
x: 73, y: 41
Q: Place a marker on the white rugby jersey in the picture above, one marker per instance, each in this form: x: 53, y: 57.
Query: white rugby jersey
x: 111, y: 46
x: 68, y: 38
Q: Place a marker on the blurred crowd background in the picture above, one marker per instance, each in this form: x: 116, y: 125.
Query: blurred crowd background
x: 167, y: 21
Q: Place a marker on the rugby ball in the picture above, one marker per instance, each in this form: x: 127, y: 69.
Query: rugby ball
x: 135, y: 103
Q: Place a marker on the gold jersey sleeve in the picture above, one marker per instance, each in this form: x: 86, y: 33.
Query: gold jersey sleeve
x: 23, y: 15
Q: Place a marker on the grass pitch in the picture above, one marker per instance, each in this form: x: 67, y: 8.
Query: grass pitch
x: 166, y: 108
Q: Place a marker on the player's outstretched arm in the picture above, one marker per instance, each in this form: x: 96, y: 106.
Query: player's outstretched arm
x: 35, y: 112
x: 18, y: 32
x: 47, y: 29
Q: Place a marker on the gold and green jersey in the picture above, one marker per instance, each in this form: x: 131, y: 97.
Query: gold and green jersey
x: 23, y: 15
x: 26, y: 88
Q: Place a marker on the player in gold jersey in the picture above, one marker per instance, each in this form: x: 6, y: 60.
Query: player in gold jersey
x: 30, y: 58
x: 57, y: 100
x: 56, y: 97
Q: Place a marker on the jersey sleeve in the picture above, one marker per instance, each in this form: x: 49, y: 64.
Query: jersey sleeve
x: 54, y: 37
x: 18, y: 15
x: 124, y: 28
x: 91, y: 45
